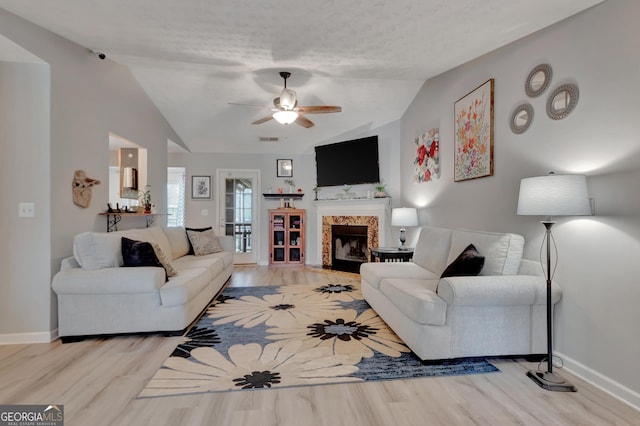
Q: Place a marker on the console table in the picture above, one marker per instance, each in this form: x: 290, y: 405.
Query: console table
x: 391, y: 254
x: 113, y: 218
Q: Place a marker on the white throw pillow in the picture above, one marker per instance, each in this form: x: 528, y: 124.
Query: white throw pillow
x: 164, y: 259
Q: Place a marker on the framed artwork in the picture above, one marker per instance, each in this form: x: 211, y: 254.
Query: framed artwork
x: 201, y: 187
x: 427, y: 161
x: 473, y: 134
x: 284, y: 168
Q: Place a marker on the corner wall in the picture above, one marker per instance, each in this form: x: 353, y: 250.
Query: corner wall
x: 596, y: 323
x: 88, y: 99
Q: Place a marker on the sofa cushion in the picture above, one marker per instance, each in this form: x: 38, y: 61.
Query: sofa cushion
x: 97, y: 250
x: 416, y: 299
x: 153, y: 234
x: 502, y: 252
x: 468, y: 263
x: 204, y: 242
x: 178, y: 241
x: 139, y: 253
x: 212, y: 262
x: 432, y: 248
x: 185, y: 286
x: 374, y: 272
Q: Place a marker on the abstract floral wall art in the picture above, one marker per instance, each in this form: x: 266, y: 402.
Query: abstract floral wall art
x: 473, y: 133
x: 427, y: 161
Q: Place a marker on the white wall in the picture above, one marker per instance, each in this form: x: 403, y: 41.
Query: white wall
x: 24, y: 177
x: 304, y: 175
x: 88, y: 99
x: 598, y: 316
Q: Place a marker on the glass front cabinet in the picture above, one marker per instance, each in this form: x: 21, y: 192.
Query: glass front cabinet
x: 286, y: 237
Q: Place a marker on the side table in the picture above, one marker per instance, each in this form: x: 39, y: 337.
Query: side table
x: 391, y: 254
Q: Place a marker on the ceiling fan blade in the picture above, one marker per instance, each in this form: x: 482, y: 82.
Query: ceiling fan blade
x: 304, y: 121
x: 318, y: 109
x: 263, y: 119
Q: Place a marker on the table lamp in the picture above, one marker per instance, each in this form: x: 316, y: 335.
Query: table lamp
x: 552, y: 195
x: 404, y: 216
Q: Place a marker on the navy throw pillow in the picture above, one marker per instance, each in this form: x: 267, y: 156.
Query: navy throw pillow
x: 140, y: 253
x: 468, y: 263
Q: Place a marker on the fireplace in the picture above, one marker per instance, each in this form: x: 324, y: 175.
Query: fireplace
x: 367, y: 225
x: 349, y: 247
x: 372, y: 213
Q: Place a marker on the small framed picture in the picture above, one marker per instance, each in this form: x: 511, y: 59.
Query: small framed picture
x: 284, y: 168
x: 201, y: 187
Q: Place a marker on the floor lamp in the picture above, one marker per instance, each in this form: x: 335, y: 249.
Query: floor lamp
x: 404, y: 216
x: 552, y: 195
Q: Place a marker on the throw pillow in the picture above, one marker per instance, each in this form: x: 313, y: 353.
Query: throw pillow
x: 164, y: 259
x: 468, y: 263
x: 195, y: 230
x: 140, y: 253
x: 204, y: 242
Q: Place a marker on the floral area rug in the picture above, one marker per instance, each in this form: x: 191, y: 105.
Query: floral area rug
x: 292, y: 335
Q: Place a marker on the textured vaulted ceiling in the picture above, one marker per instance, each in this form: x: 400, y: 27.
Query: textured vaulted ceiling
x: 371, y: 57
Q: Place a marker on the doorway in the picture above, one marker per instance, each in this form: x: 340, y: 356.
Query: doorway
x: 239, y: 211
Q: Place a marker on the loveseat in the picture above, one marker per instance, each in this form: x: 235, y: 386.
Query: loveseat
x: 98, y: 295
x: 501, y: 311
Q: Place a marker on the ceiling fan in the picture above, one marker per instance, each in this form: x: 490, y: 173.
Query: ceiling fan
x: 287, y: 111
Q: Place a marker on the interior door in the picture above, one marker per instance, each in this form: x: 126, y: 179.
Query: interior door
x: 238, y: 211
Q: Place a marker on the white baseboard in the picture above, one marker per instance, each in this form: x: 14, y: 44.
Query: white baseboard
x: 28, y: 338
x: 613, y: 388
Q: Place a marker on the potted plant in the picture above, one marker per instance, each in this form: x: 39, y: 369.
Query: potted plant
x: 291, y: 184
x: 145, y: 198
x: 380, y: 190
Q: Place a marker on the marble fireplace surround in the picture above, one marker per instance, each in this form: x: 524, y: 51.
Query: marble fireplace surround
x: 375, y: 213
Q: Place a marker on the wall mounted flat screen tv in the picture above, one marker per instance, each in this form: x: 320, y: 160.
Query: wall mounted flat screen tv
x: 348, y: 163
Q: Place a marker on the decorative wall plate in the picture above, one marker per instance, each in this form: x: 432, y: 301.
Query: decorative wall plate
x: 562, y: 101
x: 538, y: 80
x: 521, y: 118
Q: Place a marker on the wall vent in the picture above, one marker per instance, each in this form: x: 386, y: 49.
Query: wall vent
x: 269, y: 139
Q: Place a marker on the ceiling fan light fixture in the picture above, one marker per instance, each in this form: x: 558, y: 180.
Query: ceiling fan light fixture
x: 285, y: 117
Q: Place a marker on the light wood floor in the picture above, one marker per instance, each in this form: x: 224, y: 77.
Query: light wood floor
x: 98, y: 380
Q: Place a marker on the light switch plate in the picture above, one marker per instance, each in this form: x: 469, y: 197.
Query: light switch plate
x: 27, y: 209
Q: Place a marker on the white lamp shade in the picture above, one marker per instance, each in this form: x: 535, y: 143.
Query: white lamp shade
x: 404, y: 216
x: 285, y: 117
x: 554, y: 195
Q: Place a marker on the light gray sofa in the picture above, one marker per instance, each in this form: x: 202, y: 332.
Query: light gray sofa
x: 502, y: 311
x: 97, y: 295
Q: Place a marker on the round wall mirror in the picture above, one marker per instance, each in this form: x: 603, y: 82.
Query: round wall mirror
x: 538, y: 80
x: 562, y: 101
x: 521, y: 118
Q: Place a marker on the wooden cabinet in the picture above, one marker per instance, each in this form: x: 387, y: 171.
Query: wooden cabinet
x: 286, y: 237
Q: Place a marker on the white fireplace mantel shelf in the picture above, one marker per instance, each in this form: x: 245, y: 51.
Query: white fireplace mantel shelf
x: 352, y: 201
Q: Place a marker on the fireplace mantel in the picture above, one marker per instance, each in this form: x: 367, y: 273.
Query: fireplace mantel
x: 378, y: 207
